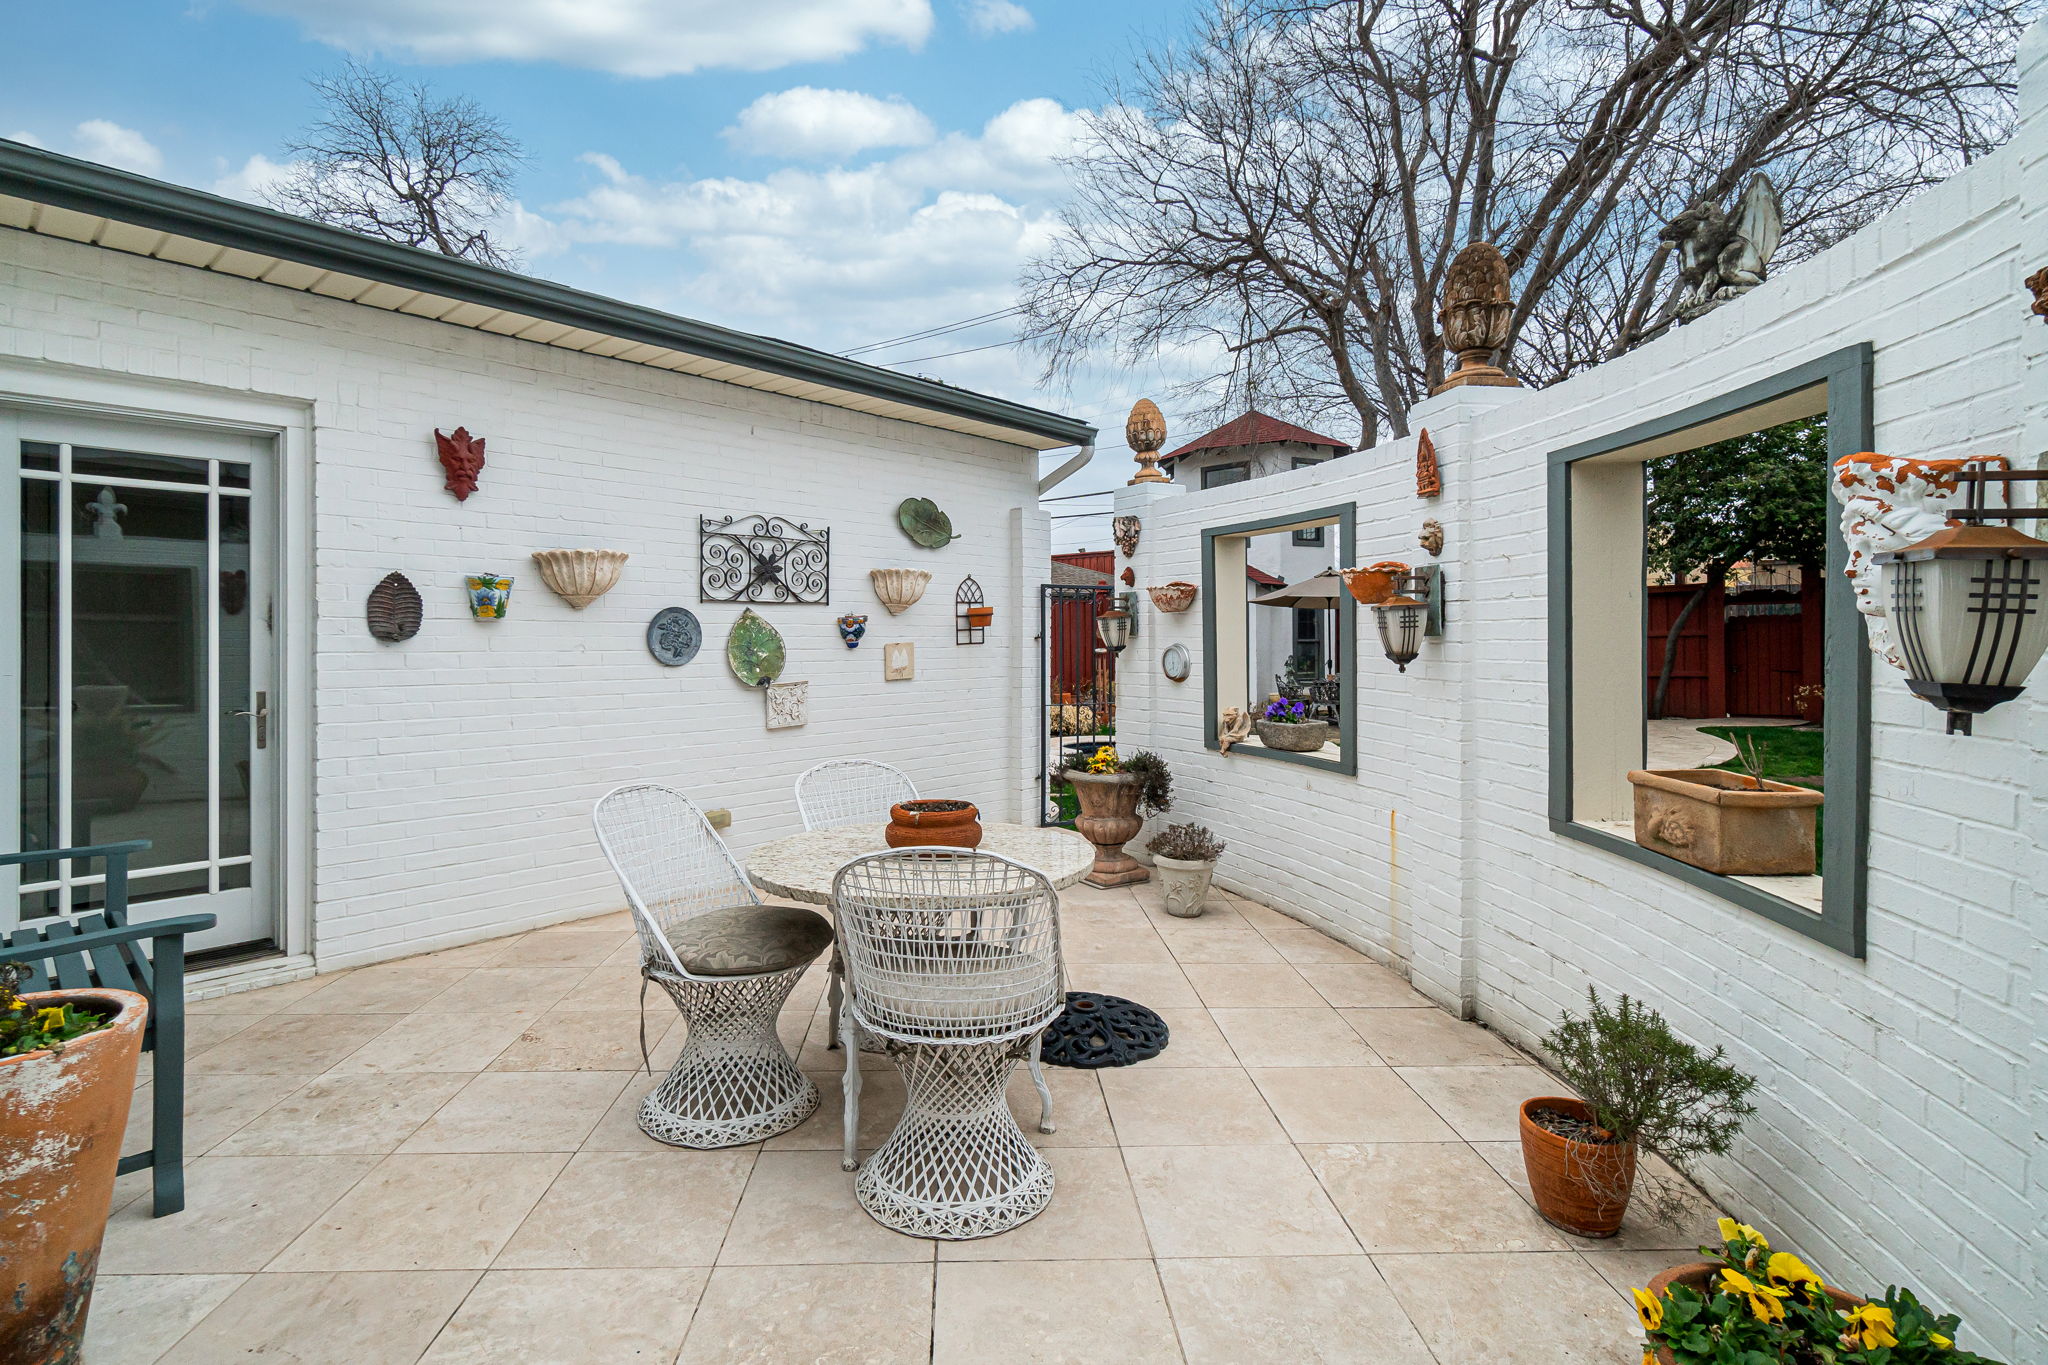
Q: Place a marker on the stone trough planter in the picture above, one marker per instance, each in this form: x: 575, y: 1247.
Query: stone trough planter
x: 1294, y: 738
x: 1719, y: 821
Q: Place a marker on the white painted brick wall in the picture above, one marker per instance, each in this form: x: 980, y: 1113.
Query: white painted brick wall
x: 1902, y: 1133
x: 456, y: 771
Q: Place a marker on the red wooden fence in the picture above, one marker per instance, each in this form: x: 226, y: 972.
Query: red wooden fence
x: 1740, y: 653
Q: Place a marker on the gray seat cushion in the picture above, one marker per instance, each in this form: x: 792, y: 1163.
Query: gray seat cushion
x: 748, y: 940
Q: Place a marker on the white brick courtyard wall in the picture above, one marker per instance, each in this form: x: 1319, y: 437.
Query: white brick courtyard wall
x: 456, y: 771
x: 1900, y: 1129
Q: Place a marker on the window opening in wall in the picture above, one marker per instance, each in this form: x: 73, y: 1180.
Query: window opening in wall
x: 1280, y: 626
x: 1312, y: 535
x: 1708, y: 709
x: 1217, y: 475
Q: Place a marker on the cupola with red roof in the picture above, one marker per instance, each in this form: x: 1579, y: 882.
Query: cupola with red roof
x: 1253, y: 430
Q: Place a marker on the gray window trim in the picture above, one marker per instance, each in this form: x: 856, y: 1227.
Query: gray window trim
x: 1344, y: 649
x: 1845, y: 836
x: 1244, y: 465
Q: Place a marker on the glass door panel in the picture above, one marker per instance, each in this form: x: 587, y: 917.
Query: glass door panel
x: 146, y: 660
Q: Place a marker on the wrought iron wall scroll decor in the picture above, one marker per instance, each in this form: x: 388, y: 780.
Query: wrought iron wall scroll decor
x: 760, y: 558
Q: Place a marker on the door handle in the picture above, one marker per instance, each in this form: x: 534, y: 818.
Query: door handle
x: 262, y: 715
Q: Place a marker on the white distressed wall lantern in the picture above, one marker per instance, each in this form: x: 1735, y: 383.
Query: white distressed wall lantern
x: 1113, y: 628
x: 1963, y: 605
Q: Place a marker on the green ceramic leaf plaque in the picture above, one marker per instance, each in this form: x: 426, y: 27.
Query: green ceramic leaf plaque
x: 924, y: 523
x: 754, y: 650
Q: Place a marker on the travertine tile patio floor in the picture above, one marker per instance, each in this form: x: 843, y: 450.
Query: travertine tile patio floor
x: 436, y: 1160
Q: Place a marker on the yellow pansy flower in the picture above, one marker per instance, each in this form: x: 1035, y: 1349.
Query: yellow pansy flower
x: 1732, y: 1231
x: 1763, y: 1299
x: 1786, y: 1268
x: 51, y: 1018
x: 1939, y: 1340
x: 1649, y: 1309
x: 1649, y: 1358
x: 1872, y: 1325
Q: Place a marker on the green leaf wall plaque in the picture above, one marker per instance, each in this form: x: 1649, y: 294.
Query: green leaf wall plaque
x: 754, y: 650
x: 924, y: 523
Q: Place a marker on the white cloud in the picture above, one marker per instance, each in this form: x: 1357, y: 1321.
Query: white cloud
x: 106, y: 142
x: 988, y: 17
x: 626, y: 37
x: 252, y: 180
x: 818, y: 124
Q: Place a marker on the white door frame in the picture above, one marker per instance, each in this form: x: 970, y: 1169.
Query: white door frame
x: 63, y: 390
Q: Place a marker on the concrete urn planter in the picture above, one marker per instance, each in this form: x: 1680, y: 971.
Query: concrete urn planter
x: 1184, y: 884
x: 1720, y: 822
x: 1109, y: 819
x: 62, y: 1113
x: 1303, y: 738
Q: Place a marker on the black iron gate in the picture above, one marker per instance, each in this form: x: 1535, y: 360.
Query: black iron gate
x: 1076, y: 688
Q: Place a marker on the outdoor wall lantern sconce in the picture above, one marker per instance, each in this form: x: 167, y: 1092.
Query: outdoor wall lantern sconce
x: 1413, y: 612
x: 1967, y: 605
x: 1959, y: 606
x: 1113, y: 628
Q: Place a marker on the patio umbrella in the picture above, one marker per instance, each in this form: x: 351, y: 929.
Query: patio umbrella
x: 1318, y: 592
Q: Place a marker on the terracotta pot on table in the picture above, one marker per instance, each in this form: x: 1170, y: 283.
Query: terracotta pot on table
x: 934, y: 822
x: 62, y: 1115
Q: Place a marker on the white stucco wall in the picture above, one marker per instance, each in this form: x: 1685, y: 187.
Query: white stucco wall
x: 456, y: 770
x: 1901, y: 1113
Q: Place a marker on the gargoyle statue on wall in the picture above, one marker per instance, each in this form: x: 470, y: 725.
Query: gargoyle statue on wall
x: 1720, y: 258
x: 462, y: 459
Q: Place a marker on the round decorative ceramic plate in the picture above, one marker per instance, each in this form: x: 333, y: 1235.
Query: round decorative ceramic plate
x: 924, y: 523
x: 674, y: 636
x: 1175, y: 663
x: 754, y: 650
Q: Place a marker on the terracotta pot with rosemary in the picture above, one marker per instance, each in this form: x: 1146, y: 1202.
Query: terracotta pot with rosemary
x: 1643, y: 1087
x: 67, y: 1075
x: 1115, y: 795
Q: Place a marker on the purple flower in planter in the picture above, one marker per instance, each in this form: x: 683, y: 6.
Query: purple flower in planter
x: 1287, y: 712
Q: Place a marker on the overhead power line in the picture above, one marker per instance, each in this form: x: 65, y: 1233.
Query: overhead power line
x: 940, y: 330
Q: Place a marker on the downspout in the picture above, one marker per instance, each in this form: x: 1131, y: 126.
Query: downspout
x: 1067, y: 470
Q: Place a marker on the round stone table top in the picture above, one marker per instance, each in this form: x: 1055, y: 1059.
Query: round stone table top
x: 802, y: 866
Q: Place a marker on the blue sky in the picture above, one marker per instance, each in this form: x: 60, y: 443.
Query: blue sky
x: 832, y: 171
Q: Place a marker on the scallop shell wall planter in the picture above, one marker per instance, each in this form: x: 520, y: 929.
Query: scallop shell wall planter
x: 1176, y: 596
x: 580, y: 577
x: 899, y: 589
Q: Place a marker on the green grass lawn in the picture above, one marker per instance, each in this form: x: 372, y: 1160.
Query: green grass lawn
x: 1787, y: 754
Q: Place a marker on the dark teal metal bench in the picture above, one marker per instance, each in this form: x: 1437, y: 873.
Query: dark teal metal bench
x: 103, y: 949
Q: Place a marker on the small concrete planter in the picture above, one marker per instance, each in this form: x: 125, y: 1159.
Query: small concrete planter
x: 1184, y: 884
x: 1719, y: 822
x: 1303, y: 738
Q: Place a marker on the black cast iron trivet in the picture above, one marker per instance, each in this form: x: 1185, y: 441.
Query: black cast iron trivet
x: 1102, y: 1030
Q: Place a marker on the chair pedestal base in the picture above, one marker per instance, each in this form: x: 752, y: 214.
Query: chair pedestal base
x: 957, y: 1165
x: 734, y: 1082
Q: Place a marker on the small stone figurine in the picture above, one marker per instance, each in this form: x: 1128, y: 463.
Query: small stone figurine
x: 1723, y: 258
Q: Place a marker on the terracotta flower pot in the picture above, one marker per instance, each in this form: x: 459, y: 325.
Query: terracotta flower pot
x: 934, y: 823
x: 1582, y: 1187
x: 62, y: 1113
x: 1374, y: 583
x: 1698, y: 1275
x: 1294, y: 737
x: 979, y: 618
x: 1716, y: 820
x: 1109, y: 819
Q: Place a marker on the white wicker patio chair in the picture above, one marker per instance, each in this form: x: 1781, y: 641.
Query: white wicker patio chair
x: 953, y: 964
x: 726, y: 959
x: 850, y: 791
